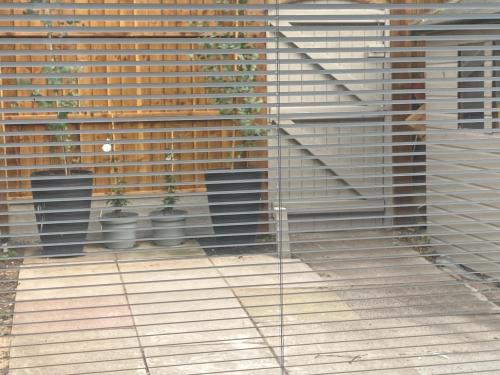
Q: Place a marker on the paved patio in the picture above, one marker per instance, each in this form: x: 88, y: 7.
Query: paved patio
x: 141, y: 314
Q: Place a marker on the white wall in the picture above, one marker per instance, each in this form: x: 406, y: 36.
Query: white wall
x: 347, y: 147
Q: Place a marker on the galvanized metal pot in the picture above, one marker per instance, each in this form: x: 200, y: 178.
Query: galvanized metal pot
x: 119, y: 229
x: 168, y: 228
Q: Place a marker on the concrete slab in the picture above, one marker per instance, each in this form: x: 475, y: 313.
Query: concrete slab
x: 251, y: 371
x: 103, y: 359
x: 170, y: 276
x: 76, y: 352
x: 264, y: 271
x: 144, y: 251
x: 185, y: 312
x: 92, y: 253
x: 304, y: 301
x: 229, y: 351
x: 68, y: 281
x: 67, y: 321
x: 91, y: 365
x: 351, y: 311
x: 303, y: 305
x: 72, y: 317
x: 171, y: 269
x: 236, y: 367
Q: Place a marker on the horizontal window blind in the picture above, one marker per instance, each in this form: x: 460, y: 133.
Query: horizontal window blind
x: 249, y: 187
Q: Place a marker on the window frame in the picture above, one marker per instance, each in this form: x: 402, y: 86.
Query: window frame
x: 488, y: 118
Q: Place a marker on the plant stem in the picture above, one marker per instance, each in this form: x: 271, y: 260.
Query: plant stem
x: 235, y: 67
x: 113, y: 137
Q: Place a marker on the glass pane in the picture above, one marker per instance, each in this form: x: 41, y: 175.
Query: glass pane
x: 470, y: 79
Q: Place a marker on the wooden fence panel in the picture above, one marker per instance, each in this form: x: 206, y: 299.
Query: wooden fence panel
x: 139, y: 147
x: 147, y: 157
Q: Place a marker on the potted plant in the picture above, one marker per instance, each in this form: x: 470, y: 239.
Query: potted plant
x: 168, y: 223
x: 119, y: 227
x: 62, y: 209
x: 62, y: 194
x: 234, y: 192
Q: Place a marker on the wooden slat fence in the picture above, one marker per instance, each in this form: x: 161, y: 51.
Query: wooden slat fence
x: 139, y: 147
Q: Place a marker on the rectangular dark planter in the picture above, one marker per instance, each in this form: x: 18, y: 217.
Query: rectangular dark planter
x: 70, y: 199
x: 233, y: 198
